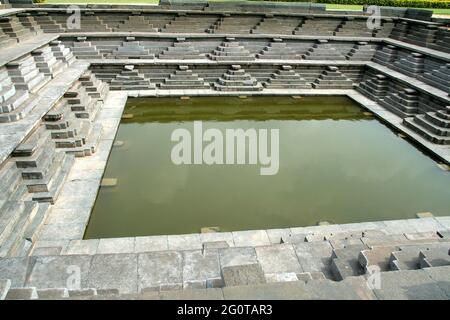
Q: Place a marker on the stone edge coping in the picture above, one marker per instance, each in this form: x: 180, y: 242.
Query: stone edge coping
x: 24, y: 47
x: 239, y: 37
x: 12, y: 134
x: 85, y: 176
x: 256, y: 62
x: 313, y: 13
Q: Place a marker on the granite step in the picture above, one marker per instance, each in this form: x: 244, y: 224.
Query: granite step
x: 52, y: 195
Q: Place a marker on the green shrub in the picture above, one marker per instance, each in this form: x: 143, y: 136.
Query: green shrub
x: 442, y: 4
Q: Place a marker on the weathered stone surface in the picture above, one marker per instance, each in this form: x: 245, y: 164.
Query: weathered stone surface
x: 407, y: 285
x: 116, y: 245
x: 82, y: 247
x: 278, y: 259
x: 53, y: 294
x: 114, y: 271
x: 184, y: 242
x: 201, y: 270
x: 237, y: 256
x: 59, y: 272
x: 160, y: 270
x: 153, y: 243
x: 243, y: 275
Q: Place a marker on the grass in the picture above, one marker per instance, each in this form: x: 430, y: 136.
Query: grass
x: 329, y: 6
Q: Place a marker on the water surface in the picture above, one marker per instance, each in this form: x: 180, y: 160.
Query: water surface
x: 337, y: 163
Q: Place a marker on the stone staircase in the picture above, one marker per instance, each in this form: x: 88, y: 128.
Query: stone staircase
x: 404, y: 103
x: 43, y: 169
x: 231, y: 50
x: 183, y: 78
x: 369, y: 264
x: 313, y: 26
x: 362, y: 51
x: 180, y: 50
x: 236, y: 79
x: 412, y: 65
x: 130, y: 79
x: 278, y: 49
x: 438, y: 78
x: 433, y: 126
x: 131, y: 49
x: 323, y: 50
x: 286, y: 78
x: 332, y: 78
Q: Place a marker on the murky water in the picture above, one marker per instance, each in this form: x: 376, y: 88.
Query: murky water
x: 336, y: 164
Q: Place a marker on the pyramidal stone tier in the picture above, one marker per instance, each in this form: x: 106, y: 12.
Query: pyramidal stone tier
x: 385, y: 30
x: 323, y: 50
x: 84, y: 49
x: 25, y: 74
x: 61, y: 52
x: 6, y: 40
x: 412, y: 65
x: 439, y: 78
x: 284, y: 25
x: 132, y: 49
x: 386, y: 56
x: 27, y: 20
x: 180, y: 50
x: 183, y: 78
x: 403, y: 103
x: 43, y: 169
x: 13, y: 28
x: 70, y: 122
x: 442, y: 41
x: 400, y: 31
x: 91, y: 22
x: 433, y: 126
x: 10, y: 98
x: 421, y: 35
x: 236, y: 79
x: 20, y: 218
x: 231, y: 50
x: 94, y: 87
x: 352, y: 26
x: 313, y: 26
x: 135, y: 23
x: 375, y: 87
x: 286, y: 78
x: 331, y: 77
x: 46, y: 23
x: 361, y: 51
x: 47, y: 62
x: 130, y: 79
x: 278, y: 49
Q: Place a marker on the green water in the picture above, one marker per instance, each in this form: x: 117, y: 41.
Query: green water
x: 337, y: 164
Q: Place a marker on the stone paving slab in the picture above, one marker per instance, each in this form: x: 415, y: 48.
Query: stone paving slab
x: 201, y: 270
x: 441, y: 276
x: 114, y: 271
x: 160, y: 270
x: 59, y: 272
x: 278, y: 259
x: 115, y: 245
x: 409, y: 285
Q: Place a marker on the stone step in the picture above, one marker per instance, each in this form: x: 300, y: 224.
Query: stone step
x: 434, y: 257
x: 424, y: 122
x: 345, y: 261
x: 52, y: 195
x: 17, y: 234
x: 411, y: 124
